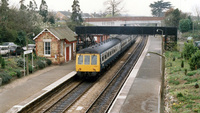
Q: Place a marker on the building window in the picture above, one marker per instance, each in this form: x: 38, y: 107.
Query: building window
x: 61, y: 47
x: 47, y: 48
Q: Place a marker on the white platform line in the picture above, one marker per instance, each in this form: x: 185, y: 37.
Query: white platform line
x: 17, y: 108
x: 126, y: 87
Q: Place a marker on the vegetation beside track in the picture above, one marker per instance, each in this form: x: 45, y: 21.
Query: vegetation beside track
x: 12, y: 67
x: 182, y: 94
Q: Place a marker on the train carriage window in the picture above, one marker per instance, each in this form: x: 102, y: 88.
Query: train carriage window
x: 94, y: 60
x: 87, y: 59
x: 80, y: 59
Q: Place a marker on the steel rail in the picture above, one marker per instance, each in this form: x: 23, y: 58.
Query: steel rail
x: 91, y: 109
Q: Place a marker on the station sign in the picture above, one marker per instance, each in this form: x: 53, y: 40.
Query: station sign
x: 28, y: 51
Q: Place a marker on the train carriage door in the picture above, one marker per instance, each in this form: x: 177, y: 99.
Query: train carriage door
x: 67, y: 54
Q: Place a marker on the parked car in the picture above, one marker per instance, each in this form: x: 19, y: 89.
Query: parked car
x: 9, y: 44
x: 4, y: 50
x: 189, y: 39
x: 30, y: 47
x: 16, y: 50
x: 197, y: 44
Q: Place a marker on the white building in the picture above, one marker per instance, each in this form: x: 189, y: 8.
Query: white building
x: 128, y: 21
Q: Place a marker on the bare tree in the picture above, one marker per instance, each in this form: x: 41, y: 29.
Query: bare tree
x: 113, y: 7
x: 197, y: 11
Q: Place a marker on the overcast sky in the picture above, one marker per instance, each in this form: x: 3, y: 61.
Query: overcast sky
x: 132, y: 7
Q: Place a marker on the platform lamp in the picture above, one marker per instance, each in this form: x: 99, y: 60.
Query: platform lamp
x: 161, y: 37
x: 163, y: 72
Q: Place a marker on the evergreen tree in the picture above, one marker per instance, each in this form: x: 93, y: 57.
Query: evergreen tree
x: 76, y: 13
x: 44, y: 10
x: 32, y: 6
x: 158, y: 7
x: 4, y: 10
x: 185, y: 25
x: 22, y: 6
x: 173, y: 16
x: 52, y: 19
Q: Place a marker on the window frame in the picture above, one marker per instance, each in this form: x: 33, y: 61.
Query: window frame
x: 87, y: 59
x: 92, y: 59
x: 79, y: 60
x: 47, y: 41
x: 61, y: 47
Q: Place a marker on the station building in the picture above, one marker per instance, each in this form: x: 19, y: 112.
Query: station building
x: 57, y: 44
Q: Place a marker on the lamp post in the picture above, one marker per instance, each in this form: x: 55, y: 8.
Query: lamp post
x: 163, y: 78
x: 27, y: 64
x: 161, y: 37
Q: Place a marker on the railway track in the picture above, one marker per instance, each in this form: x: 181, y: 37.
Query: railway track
x: 65, y: 96
x: 44, y: 102
x: 106, y: 98
x: 67, y: 100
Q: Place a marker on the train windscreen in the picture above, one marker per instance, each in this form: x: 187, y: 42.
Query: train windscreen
x: 87, y: 60
x: 80, y: 59
x: 94, y: 60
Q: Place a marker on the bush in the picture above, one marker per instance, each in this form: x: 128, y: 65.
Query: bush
x: 12, y: 73
x: 40, y: 64
x: 185, y: 71
x: 175, y: 82
x: 5, y: 77
x: 3, y: 64
x: 189, y: 49
x: 185, y: 25
x: 191, y: 73
x: 19, y: 74
x: 194, y: 61
x: 48, y: 61
x: 182, y: 64
x: 30, y: 69
x: 20, y: 63
x: 0, y: 59
x: 179, y: 95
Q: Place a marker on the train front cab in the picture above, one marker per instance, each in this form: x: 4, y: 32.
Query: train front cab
x: 87, y: 64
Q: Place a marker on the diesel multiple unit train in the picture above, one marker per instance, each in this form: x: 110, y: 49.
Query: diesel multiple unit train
x: 92, y: 60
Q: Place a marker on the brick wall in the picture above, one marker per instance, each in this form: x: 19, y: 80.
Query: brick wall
x: 55, y: 48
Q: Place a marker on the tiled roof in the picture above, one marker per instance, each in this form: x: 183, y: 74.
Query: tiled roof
x: 63, y: 33
x: 60, y: 33
x: 123, y: 19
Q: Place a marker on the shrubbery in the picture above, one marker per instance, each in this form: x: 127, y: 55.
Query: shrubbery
x: 40, y: 64
x: 19, y: 74
x: 5, y: 77
x: 30, y: 69
x: 194, y: 61
x: 189, y: 49
x: 20, y: 63
x: 48, y: 61
x: 185, y: 25
x: 3, y: 63
x: 192, y: 54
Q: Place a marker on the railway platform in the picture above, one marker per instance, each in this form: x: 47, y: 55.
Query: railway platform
x: 140, y: 94
x: 142, y: 90
x: 22, y: 91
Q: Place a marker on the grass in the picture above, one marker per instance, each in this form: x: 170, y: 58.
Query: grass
x: 186, y: 98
